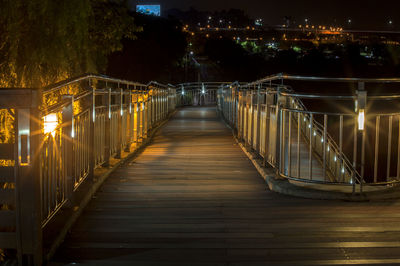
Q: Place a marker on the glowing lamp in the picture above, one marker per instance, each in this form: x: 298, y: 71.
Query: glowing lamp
x: 50, y: 123
x: 361, y: 119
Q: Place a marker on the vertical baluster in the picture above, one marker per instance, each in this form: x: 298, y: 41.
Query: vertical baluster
x: 377, y: 125
x: 341, y: 147
x: 298, y: 143
x: 324, y: 141
x: 290, y: 144
x: 389, y: 149
x: 310, y: 147
x: 398, y: 153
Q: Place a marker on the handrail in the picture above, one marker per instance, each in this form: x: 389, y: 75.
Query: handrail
x: 67, y: 82
x: 283, y: 76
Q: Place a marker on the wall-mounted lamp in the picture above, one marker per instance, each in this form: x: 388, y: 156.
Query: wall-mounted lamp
x: 50, y: 123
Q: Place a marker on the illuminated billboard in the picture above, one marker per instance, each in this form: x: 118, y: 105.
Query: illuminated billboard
x: 154, y: 10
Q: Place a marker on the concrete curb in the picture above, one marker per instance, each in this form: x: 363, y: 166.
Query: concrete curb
x: 93, y: 189
x: 283, y: 186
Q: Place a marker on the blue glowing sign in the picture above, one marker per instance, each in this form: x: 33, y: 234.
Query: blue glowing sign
x: 154, y: 10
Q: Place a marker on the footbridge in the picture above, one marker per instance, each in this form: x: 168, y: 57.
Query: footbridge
x: 96, y: 170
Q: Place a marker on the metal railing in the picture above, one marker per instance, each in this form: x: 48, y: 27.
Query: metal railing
x: 198, y: 93
x: 315, y: 146
x: 61, y: 134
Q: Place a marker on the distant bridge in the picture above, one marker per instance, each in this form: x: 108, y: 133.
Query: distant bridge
x: 192, y: 195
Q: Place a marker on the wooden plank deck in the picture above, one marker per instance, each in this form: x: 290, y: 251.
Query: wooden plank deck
x: 193, y: 198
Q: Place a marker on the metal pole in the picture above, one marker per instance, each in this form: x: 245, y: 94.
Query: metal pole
x: 290, y: 144
x: 341, y: 146
x: 310, y: 147
x: 298, y: 144
x: 378, y: 119
x: 324, y: 145
x: 389, y: 152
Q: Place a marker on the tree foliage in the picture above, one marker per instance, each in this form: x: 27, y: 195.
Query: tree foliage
x: 45, y: 41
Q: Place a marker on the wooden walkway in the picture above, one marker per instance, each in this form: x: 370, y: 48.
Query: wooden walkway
x: 193, y: 198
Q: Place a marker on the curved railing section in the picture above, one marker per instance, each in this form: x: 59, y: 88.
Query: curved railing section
x: 316, y: 146
x: 198, y: 93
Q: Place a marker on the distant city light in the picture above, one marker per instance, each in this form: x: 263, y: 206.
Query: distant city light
x: 154, y: 10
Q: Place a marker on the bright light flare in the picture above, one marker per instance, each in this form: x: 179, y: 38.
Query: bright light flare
x: 361, y: 119
x: 50, y: 123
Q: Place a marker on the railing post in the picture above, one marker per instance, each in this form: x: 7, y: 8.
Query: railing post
x: 362, y: 113
x: 68, y: 134
x: 244, y: 114
x: 92, y: 144
x: 120, y: 133
x: 131, y: 121
x: 107, y: 128
x: 258, y: 118
x: 278, y: 143
x: 235, y: 102
x: 28, y: 193
x: 251, y: 120
x: 268, y: 102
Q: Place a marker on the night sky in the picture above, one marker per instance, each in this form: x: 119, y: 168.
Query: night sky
x: 370, y: 14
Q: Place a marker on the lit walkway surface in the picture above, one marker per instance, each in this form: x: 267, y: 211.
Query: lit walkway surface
x: 193, y: 198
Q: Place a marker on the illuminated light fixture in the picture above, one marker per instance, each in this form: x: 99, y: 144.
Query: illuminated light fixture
x: 335, y: 158
x: 328, y: 148
x: 50, y: 123
x: 309, y: 125
x: 322, y: 140
x: 343, y: 170
x: 122, y: 112
x: 304, y: 119
x: 315, y: 133
x: 142, y: 106
x: 361, y: 119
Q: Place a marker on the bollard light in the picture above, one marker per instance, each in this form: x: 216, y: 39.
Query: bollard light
x: 50, y: 123
x: 361, y: 119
